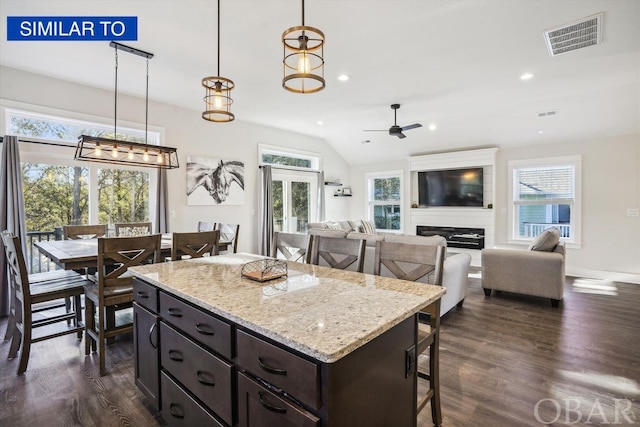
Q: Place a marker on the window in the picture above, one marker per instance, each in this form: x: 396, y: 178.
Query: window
x: 545, y: 193
x: 384, y: 201
x: 290, y: 158
x: 61, y: 129
x: 60, y: 191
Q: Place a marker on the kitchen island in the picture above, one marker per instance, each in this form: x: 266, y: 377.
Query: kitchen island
x: 319, y: 347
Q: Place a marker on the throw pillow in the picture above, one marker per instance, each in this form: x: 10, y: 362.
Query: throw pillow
x: 546, y: 241
x: 334, y: 226
x: 344, y: 225
x: 368, y: 227
x: 355, y: 226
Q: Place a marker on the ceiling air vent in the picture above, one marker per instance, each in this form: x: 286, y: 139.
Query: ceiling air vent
x: 547, y: 113
x: 575, y: 35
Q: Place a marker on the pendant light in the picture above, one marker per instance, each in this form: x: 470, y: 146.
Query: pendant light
x: 303, y: 63
x: 107, y: 150
x: 217, y: 98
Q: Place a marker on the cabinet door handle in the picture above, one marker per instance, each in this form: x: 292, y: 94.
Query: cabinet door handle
x: 143, y: 294
x: 269, y: 369
x: 200, y: 375
x: 151, y: 335
x: 272, y: 408
x: 176, y: 410
x: 204, y: 329
x: 175, y: 312
x: 176, y: 355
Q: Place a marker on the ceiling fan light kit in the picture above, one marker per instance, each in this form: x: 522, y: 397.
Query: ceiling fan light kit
x: 217, y: 97
x: 107, y: 150
x: 396, y: 130
x: 303, y: 63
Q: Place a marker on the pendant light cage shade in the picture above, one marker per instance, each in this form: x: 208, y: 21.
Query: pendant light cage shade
x: 303, y: 63
x: 218, y: 99
x: 105, y: 150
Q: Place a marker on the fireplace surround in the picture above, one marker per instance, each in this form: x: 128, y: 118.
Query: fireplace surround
x: 457, y: 237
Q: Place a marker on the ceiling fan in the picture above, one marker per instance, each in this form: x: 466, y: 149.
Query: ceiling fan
x: 396, y: 130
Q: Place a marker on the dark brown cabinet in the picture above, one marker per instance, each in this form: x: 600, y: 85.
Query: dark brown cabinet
x: 180, y: 409
x: 202, y: 369
x: 145, y: 342
x: 203, y: 327
x: 206, y: 376
x: 259, y: 407
x: 299, y: 377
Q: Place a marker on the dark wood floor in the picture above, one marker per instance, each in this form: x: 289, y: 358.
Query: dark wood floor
x: 500, y: 357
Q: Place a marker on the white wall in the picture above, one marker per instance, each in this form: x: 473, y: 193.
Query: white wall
x: 193, y: 136
x: 610, y: 185
x: 358, y: 188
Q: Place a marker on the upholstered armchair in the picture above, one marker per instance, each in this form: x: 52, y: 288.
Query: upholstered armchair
x: 538, y: 271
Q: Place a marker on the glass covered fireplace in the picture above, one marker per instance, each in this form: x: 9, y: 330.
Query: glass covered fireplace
x: 457, y: 237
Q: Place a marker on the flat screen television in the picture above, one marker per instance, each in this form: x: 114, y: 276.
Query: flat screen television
x: 452, y: 187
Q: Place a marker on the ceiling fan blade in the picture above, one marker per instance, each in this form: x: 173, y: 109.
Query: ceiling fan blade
x: 375, y: 130
x: 400, y: 135
x: 413, y: 126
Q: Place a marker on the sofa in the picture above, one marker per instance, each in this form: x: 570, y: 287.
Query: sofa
x: 456, y: 266
x: 538, y: 271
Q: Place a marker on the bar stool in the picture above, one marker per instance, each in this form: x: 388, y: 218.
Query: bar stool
x: 419, y: 263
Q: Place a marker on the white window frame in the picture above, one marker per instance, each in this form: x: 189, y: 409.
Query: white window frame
x: 290, y: 152
x: 370, y: 203
x: 34, y: 153
x: 574, y: 241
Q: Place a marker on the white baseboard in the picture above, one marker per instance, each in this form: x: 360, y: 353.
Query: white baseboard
x: 603, y: 275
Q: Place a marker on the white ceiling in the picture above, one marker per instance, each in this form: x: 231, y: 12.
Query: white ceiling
x: 454, y: 63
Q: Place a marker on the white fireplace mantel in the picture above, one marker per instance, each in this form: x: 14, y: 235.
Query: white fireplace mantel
x: 456, y: 216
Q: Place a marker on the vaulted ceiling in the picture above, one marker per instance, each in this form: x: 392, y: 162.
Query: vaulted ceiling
x: 456, y: 64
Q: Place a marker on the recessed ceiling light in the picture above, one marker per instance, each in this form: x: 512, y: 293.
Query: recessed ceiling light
x: 320, y: 122
x: 433, y: 126
x: 540, y: 132
x: 343, y: 77
x: 526, y: 76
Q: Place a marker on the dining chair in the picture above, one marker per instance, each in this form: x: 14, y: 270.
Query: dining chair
x: 77, y: 232
x: 292, y: 246
x: 335, y: 252
x: 419, y: 263
x: 133, y: 229
x: 206, y: 226
x: 113, y: 291
x: 29, y: 292
x: 228, y: 233
x: 74, y: 232
x: 194, y: 245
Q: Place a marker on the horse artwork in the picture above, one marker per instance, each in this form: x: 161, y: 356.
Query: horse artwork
x: 214, y: 181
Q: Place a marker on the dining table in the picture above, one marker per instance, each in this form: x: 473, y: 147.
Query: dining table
x: 83, y: 253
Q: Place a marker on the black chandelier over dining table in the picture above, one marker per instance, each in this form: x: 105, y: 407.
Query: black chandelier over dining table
x: 108, y: 150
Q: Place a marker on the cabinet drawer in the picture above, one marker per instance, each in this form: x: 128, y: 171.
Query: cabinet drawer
x: 295, y: 375
x: 202, y: 327
x: 259, y: 407
x: 199, y: 371
x: 180, y: 409
x: 145, y: 295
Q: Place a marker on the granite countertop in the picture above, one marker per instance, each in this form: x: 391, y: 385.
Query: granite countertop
x: 322, y: 312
